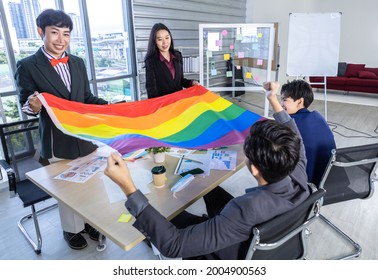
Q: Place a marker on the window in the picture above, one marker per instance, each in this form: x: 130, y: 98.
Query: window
x: 105, y: 46
x: 102, y: 36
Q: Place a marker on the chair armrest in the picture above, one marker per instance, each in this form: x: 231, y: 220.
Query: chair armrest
x: 4, y: 164
x: 11, y: 177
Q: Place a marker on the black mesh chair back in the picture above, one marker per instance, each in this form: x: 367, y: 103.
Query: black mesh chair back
x: 350, y: 174
x: 19, y: 141
x: 283, y: 237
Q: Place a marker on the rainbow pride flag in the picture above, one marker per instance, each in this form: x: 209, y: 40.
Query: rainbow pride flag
x: 194, y: 118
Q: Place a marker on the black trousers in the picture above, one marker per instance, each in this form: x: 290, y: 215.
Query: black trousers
x: 215, y: 202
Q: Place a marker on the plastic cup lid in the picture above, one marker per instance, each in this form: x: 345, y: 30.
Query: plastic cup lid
x: 158, y: 169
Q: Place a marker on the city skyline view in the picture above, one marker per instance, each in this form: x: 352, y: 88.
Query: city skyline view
x: 72, y: 8
x: 105, y: 51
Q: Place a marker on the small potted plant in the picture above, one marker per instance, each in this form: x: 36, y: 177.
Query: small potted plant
x: 158, y: 153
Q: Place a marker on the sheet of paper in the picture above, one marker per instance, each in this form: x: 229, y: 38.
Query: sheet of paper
x: 83, y: 169
x: 124, y: 218
x: 103, y: 151
x: 193, y: 161
x: 131, y: 157
x: 141, y: 176
x: 222, y: 159
x: 178, y: 152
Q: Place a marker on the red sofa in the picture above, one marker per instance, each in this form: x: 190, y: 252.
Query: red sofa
x: 351, y: 77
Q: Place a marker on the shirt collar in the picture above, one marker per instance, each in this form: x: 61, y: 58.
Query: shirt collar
x: 162, y: 58
x: 302, y: 111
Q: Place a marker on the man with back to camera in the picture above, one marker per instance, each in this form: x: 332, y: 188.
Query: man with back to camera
x: 274, y: 156
x: 51, y: 69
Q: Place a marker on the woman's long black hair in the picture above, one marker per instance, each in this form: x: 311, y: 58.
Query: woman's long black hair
x: 152, y: 49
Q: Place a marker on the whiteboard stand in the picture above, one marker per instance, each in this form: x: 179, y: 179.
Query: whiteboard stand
x: 313, y: 46
x: 325, y: 95
x: 325, y: 99
x: 277, y: 61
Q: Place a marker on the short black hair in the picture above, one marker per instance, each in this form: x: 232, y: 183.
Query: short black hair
x: 273, y: 148
x: 52, y: 17
x: 297, y: 89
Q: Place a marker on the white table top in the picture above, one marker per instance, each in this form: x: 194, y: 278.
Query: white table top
x: 91, y: 201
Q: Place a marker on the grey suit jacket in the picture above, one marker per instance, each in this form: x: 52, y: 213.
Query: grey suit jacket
x: 35, y: 73
x: 226, y: 235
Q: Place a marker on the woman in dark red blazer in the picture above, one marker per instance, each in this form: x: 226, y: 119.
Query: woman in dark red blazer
x: 164, y: 64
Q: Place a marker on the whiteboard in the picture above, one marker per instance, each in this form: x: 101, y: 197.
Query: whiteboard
x: 313, y: 45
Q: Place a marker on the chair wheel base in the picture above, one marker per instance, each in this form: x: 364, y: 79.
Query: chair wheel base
x: 100, y: 248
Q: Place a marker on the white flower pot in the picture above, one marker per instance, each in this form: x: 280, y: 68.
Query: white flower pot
x: 159, y: 157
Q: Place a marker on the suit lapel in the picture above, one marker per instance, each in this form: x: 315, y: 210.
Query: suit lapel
x: 177, y: 66
x: 52, y: 77
x: 167, y: 74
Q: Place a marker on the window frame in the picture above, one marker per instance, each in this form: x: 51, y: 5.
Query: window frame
x: 128, y: 26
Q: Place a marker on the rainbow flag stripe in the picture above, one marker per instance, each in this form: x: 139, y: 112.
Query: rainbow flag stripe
x: 194, y: 118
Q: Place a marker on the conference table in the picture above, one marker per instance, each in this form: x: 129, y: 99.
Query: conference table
x: 91, y: 202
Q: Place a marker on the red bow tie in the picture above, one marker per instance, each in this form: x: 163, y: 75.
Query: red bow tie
x: 54, y: 62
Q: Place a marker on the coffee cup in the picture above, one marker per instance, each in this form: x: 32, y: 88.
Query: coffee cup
x: 159, y: 176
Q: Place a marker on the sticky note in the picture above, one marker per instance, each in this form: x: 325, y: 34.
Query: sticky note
x: 226, y: 56
x: 240, y: 54
x: 259, y: 62
x: 228, y: 74
x: 231, y: 47
x: 124, y: 218
x: 213, y: 72
x: 259, y: 35
x: 209, y: 54
x: 239, y: 37
x: 218, y: 43
x: 238, y: 67
x: 224, y: 32
x: 248, y: 75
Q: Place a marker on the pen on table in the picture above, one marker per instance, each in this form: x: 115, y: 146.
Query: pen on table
x: 179, y: 164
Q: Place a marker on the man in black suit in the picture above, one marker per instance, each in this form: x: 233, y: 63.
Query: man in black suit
x: 274, y: 156
x: 54, y: 71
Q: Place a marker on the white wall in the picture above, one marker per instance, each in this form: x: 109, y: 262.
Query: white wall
x: 359, y: 26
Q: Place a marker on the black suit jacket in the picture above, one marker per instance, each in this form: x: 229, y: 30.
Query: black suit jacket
x: 159, y: 79
x: 35, y: 73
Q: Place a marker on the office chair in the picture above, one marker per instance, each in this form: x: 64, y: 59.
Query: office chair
x: 17, y: 141
x: 284, y: 236
x: 350, y: 174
